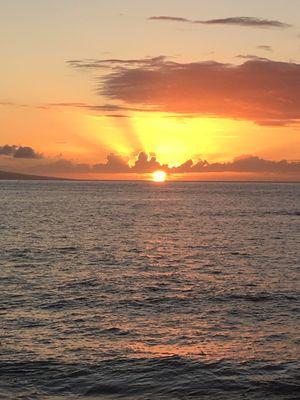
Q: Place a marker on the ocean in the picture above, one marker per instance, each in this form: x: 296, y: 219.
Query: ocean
x: 137, y: 290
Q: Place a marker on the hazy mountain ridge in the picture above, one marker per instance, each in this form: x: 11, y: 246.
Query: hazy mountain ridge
x: 8, y: 175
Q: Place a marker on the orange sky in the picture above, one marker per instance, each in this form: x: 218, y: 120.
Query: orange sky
x: 194, y: 81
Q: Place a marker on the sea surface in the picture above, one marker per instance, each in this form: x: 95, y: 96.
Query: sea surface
x: 150, y: 291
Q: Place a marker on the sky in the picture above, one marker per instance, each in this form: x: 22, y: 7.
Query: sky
x: 93, y: 89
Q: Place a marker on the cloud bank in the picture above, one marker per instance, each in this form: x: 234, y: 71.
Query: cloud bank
x: 145, y: 163
x: 240, y: 21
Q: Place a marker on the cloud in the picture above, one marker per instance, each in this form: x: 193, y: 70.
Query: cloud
x: 258, y: 90
x: 248, y: 164
x: 240, y: 21
x: 19, y: 152
x: 12, y: 104
x: 265, y: 47
x: 102, y: 109
x: 166, y: 18
x: 251, y: 57
x: 145, y: 163
x: 114, y: 164
x: 61, y: 166
x: 7, y: 150
x: 246, y: 21
x: 110, y: 62
x: 26, y: 152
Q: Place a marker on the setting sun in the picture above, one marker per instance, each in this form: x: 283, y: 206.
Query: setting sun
x: 159, y: 176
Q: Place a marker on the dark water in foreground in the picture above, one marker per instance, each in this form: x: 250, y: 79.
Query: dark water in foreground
x: 148, y: 291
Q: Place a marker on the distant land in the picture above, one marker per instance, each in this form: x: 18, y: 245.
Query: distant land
x: 5, y: 175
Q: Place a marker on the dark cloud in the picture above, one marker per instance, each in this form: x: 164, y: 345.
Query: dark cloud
x: 144, y: 164
x: 26, y: 152
x: 105, y: 108
x: 7, y: 150
x: 148, y: 163
x: 110, y: 62
x: 259, y: 90
x: 251, y: 57
x: 61, y: 166
x: 19, y: 152
x: 265, y: 47
x: 166, y: 18
x: 114, y: 164
x: 115, y: 115
x: 251, y: 164
x: 240, y: 21
x: 279, y: 122
x: 12, y: 104
x: 246, y: 21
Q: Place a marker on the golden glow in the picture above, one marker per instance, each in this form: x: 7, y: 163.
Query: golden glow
x: 159, y: 176
x: 175, y: 139
x: 83, y: 137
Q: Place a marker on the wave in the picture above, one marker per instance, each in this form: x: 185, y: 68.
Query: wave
x: 159, y: 378
x: 257, y: 297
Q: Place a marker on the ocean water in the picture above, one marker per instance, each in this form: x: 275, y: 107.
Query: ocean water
x: 138, y: 291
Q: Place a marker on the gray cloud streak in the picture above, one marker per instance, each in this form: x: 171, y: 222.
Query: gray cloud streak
x: 265, y: 48
x: 253, y: 22
x: 108, y: 63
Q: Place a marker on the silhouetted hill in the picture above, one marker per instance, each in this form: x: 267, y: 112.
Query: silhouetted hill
x: 5, y: 175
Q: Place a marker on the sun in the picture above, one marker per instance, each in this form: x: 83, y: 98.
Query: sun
x: 159, y: 176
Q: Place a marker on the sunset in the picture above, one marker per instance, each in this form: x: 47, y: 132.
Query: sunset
x: 149, y: 199
x: 186, y: 83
